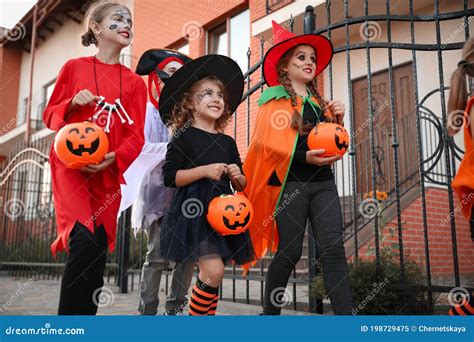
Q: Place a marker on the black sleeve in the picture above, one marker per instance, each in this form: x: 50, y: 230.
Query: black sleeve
x: 300, y: 157
x: 175, y: 160
x: 234, y: 154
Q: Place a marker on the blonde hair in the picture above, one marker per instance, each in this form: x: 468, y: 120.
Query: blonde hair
x: 96, y: 12
x: 183, y: 112
x: 458, y: 92
x: 296, y: 120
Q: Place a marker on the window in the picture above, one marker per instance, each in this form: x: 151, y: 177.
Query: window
x: 218, y: 40
x: 48, y: 90
x: 184, y: 49
x: 232, y: 38
x: 36, y: 116
x: 21, y: 115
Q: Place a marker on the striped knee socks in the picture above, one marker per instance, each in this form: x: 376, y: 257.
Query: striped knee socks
x: 203, y: 300
x: 213, y: 307
x: 463, y: 310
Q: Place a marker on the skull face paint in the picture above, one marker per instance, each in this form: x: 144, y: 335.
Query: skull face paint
x: 120, y: 20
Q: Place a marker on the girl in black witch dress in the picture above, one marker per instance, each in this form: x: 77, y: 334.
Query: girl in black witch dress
x: 202, y: 162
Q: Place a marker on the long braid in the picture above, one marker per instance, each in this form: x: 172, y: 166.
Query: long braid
x: 313, y: 88
x: 296, y: 120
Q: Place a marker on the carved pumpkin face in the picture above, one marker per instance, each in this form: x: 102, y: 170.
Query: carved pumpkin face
x: 230, y: 214
x: 331, y: 137
x: 80, y: 144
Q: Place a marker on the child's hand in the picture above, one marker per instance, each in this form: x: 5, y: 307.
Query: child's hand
x: 109, y: 158
x: 233, y: 171
x: 337, y: 109
x: 214, y: 171
x: 312, y: 157
x: 85, y: 98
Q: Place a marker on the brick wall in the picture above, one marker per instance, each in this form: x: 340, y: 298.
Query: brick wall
x: 163, y: 23
x: 10, y: 63
x: 439, y: 233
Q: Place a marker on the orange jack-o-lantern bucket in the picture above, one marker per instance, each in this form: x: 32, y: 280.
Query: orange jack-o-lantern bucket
x: 230, y: 214
x: 331, y: 137
x: 81, y: 144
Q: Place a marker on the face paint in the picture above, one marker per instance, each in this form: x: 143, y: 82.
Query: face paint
x: 302, y: 57
x: 208, y: 92
x: 172, y: 67
x: 121, y: 19
x: 301, y: 65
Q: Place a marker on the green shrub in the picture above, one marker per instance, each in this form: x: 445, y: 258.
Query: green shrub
x: 372, y: 297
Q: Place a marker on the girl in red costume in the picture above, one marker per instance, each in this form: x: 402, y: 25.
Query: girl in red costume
x: 87, y: 200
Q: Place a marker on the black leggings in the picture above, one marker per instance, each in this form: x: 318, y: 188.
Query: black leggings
x: 318, y: 201
x: 83, y: 275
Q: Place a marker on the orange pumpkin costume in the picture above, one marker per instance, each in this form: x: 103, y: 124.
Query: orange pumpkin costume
x: 267, y: 163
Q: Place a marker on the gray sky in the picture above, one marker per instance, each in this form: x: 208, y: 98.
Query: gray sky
x: 11, y: 11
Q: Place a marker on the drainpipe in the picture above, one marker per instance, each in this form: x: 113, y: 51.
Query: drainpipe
x: 32, y: 65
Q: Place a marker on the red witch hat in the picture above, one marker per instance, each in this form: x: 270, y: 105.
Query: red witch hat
x: 283, y: 41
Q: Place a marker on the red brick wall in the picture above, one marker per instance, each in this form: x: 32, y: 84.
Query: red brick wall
x: 439, y: 235
x: 10, y: 63
x: 259, y: 8
x: 162, y: 23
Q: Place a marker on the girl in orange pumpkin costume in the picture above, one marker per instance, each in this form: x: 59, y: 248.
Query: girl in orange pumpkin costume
x: 289, y: 184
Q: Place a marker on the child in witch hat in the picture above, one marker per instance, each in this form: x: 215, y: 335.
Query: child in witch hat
x: 86, y: 201
x: 202, y: 162
x: 150, y: 198
x: 279, y: 165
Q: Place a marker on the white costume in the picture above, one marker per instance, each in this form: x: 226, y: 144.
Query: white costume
x: 144, y: 188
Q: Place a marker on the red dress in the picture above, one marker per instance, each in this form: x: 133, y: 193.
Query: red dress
x: 87, y: 197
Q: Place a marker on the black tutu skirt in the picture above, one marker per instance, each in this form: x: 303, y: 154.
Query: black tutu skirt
x: 186, y: 235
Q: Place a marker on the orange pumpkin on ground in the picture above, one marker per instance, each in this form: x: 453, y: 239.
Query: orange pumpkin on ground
x: 331, y: 137
x: 81, y: 144
x: 230, y: 214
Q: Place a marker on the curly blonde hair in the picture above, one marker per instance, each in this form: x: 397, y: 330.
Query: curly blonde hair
x: 183, y: 112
